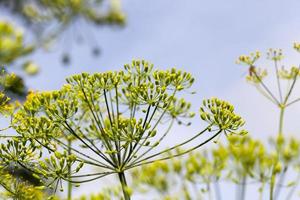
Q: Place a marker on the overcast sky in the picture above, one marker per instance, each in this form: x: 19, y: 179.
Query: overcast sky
x: 202, y: 37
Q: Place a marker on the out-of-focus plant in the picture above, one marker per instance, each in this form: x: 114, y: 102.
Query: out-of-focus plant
x: 242, y: 162
x: 285, y: 78
x: 13, y: 47
x: 50, y: 20
x: 190, y: 177
x: 110, y: 120
x: 108, y: 193
x: 39, y: 15
x: 66, y: 11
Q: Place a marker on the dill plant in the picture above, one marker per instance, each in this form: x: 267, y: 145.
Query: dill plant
x: 286, y: 79
x: 112, y: 121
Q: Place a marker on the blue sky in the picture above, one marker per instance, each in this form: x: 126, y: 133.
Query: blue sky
x: 202, y: 37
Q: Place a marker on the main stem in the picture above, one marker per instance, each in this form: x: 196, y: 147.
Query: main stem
x: 124, y: 185
x: 281, y: 181
x: 272, y: 183
x: 282, y: 109
x: 69, y: 172
x: 243, y: 192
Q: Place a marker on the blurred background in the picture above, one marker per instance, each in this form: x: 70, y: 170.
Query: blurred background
x: 201, y: 37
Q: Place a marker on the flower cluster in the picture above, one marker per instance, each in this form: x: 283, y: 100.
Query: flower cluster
x: 256, y: 74
x: 297, y: 46
x: 115, y: 116
x: 275, y: 54
x: 249, y: 59
x: 289, y: 74
x: 283, y: 76
x: 221, y: 114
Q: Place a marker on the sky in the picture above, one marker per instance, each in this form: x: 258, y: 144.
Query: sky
x: 202, y: 37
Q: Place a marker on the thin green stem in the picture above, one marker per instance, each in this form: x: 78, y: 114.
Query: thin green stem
x: 97, y: 151
x: 4, y: 129
x: 284, y: 104
x: 291, y: 88
x: 97, y: 162
x: 7, y: 188
x: 107, y: 107
x: 266, y: 88
x: 174, y: 147
x: 160, y: 139
x: 280, y: 183
x: 278, y: 81
x: 134, y: 150
x: 293, y: 189
x: 117, y: 124
x: 173, y: 156
x: 272, y: 184
x: 292, y: 102
x: 93, y: 174
x: 244, y: 185
x: 69, y: 171
x: 92, y: 108
x: 157, y: 122
x: 88, y: 180
x: 261, y: 91
x: 115, y: 158
x: 123, y: 182
x: 281, y: 117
